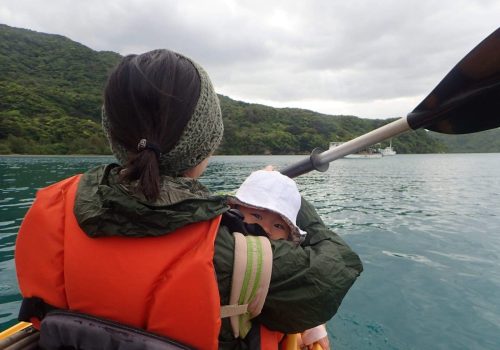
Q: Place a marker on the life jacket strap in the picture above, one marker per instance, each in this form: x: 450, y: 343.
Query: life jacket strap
x: 34, y: 307
x: 252, y: 269
x: 233, y: 310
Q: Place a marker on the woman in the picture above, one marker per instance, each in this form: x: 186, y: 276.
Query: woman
x: 138, y: 242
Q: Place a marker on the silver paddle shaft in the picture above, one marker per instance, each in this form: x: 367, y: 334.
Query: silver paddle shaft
x: 383, y: 133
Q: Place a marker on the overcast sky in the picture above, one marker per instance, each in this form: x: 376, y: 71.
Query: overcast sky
x: 372, y: 59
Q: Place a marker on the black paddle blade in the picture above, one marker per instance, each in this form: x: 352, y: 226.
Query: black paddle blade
x: 468, y: 98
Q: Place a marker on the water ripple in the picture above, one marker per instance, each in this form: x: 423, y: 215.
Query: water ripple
x: 413, y: 257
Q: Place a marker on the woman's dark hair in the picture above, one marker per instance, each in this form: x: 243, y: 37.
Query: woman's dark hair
x: 151, y: 96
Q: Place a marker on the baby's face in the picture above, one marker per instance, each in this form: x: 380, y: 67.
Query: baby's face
x: 272, y: 223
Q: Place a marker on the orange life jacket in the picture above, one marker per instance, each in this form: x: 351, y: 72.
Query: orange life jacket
x: 166, y: 285
x: 270, y: 340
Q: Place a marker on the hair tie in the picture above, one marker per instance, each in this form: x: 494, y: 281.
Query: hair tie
x: 144, y: 144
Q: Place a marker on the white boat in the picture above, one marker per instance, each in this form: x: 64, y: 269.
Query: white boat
x: 367, y: 153
x: 388, y: 151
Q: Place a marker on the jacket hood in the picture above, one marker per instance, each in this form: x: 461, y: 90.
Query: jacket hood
x: 104, y: 206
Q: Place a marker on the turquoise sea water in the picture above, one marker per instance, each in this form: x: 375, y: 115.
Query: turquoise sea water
x: 427, y: 228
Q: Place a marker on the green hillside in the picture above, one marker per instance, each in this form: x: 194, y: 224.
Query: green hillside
x: 50, y: 100
x: 51, y: 93
x: 482, y: 142
x: 258, y: 129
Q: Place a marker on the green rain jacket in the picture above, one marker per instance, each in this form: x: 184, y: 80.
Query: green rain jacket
x: 308, y: 281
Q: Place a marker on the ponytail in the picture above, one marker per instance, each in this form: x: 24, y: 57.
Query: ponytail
x: 144, y: 166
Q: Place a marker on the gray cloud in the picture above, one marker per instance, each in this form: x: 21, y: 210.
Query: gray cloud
x: 371, y: 59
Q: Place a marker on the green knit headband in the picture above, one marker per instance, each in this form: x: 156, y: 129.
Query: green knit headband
x: 200, y: 137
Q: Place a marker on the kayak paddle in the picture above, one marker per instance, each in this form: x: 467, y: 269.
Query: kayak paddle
x: 467, y: 100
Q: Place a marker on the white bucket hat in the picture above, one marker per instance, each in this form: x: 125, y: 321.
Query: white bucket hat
x: 273, y: 191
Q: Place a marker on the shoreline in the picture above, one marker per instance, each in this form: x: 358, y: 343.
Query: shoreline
x: 215, y: 155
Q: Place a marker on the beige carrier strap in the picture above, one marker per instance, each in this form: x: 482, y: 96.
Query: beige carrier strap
x: 253, y: 261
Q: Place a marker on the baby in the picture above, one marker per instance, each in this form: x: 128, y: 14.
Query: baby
x: 272, y: 201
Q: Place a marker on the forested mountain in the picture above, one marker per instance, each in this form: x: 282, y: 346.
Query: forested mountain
x: 51, y: 96
x: 258, y: 129
x: 50, y: 90
x: 481, y: 142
